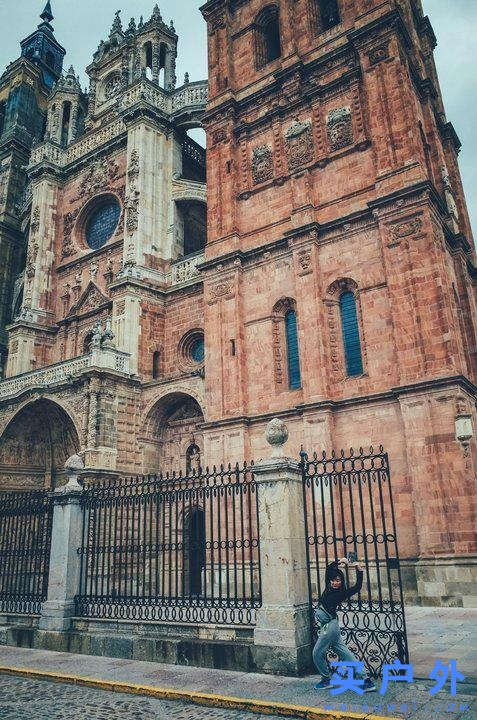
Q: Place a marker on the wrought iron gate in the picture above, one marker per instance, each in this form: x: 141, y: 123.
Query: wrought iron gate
x: 349, y: 507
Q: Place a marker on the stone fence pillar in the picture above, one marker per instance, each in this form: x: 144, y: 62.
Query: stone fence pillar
x: 63, y: 580
x: 282, y: 636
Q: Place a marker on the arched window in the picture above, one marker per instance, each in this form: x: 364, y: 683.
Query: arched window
x: 50, y: 59
x: 350, y: 330
x: 291, y: 333
x: 156, y: 359
x: 193, y: 459
x: 65, y: 123
x: 268, y: 46
x: 325, y: 14
x: 193, y: 549
x: 88, y: 343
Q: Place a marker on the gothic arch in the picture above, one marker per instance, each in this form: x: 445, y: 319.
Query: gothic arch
x: 286, y: 361
x: 335, y: 345
x: 172, y: 425
x: 34, y: 445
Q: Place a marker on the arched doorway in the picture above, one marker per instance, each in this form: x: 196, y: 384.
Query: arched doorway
x: 173, y: 438
x: 193, y: 544
x: 35, y: 446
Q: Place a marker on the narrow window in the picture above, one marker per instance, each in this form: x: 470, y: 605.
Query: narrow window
x: 268, y: 36
x: 350, y: 329
x: 65, y: 124
x: 232, y: 348
x: 155, y: 364
x: 329, y: 14
x: 294, y: 377
x: 148, y: 59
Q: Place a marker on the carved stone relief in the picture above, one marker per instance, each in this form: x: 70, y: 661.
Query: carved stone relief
x: 406, y: 228
x: 99, y: 176
x: 299, y: 145
x: 377, y: 54
x: 339, y: 127
x: 262, y: 164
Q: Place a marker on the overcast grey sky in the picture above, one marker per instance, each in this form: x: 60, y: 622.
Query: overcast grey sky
x: 80, y: 25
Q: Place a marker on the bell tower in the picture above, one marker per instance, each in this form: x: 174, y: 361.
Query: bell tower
x: 24, y: 89
x: 340, y: 262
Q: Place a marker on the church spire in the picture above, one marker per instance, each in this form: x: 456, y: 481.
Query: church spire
x: 47, y: 14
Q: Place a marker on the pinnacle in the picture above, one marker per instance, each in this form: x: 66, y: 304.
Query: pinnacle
x: 117, y: 25
x: 47, y: 14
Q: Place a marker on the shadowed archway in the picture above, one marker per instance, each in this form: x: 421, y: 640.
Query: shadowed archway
x: 173, y: 439
x: 35, y: 446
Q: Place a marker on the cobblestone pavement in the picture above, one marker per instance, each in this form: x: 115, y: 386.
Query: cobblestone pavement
x: 24, y: 699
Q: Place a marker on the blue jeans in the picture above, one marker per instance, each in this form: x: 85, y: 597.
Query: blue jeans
x: 330, y: 638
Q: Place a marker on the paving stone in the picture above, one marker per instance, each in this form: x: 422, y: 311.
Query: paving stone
x: 23, y: 698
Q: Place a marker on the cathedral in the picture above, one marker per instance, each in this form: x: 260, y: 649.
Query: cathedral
x: 159, y: 304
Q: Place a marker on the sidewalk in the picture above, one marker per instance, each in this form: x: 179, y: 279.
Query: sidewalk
x: 444, y: 633
x: 449, y: 634
x: 434, y: 633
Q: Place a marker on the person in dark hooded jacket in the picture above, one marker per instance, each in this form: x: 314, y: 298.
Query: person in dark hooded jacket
x: 329, y: 637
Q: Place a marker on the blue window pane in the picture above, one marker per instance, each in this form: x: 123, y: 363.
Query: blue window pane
x: 197, y: 351
x: 102, y: 224
x: 294, y: 377
x: 350, y: 329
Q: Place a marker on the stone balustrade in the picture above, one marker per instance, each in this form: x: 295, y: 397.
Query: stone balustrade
x: 190, y: 96
x: 107, y: 358
x: 186, y: 270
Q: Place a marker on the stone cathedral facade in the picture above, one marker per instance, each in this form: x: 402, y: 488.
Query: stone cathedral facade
x: 318, y: 265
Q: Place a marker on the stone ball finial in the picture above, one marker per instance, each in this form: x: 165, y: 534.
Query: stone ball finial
x: 74, y: 463
x: 276, y: 435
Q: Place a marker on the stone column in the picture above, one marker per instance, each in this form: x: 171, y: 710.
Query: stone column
x: 63, y: 581
x: 282, y: 636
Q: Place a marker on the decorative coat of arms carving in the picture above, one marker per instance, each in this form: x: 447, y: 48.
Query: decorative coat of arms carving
x: 99, y: 176
x: 262, y: 164
x: 339, y: 126
x: 299, y: 144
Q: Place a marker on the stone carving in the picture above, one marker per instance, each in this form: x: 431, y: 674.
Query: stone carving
x: 277, y: 351
x: 262, y: 164
x: 32, y: 255
x: 304, y: 259
x: 219, y: 289
x: 121, y: 307
x: 91, y: 299
x: 276, y: 435
x: 112, y: 85
x: 449, y: 192
x: 406, y: 228
x: 376, y: 55
x: 339, y: 128
x: 132, y: 211
x: 99, y: 176
x: 133, y: 167
x: 299, y: 144
x: 68, y: 223
x: 35, y: 221
x: 219, y: 136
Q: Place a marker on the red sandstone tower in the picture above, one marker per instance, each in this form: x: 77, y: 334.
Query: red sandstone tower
x: 340, y: 274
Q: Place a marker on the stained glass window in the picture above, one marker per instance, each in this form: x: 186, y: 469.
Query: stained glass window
x: 197, y: 351
x: 102, y: 224
x: 350, y: 329
x: 294, y: 377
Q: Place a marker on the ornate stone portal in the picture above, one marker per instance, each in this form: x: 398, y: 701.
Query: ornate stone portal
x: 35, y: 445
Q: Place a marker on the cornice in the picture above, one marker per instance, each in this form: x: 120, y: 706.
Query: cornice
x: 392, y: 395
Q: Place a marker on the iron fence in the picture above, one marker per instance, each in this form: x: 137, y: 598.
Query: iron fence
x: 172, y: 548
x: 349, y: 507
x: 25, y: 541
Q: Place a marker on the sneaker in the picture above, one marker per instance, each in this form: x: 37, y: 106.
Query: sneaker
x: 368, y: 685
x: 324, y: 684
